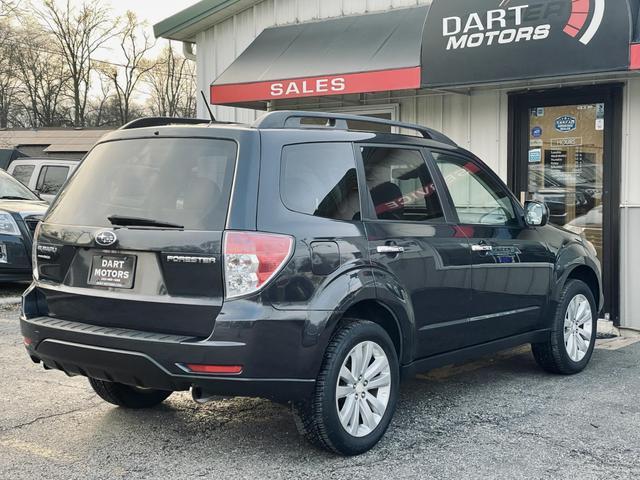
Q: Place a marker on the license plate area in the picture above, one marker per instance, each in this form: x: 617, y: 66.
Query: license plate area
x: 112, y: 270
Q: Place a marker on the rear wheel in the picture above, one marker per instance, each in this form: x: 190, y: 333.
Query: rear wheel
x: 356, y: 391
x: 573, y: 333
x: 127, y: 396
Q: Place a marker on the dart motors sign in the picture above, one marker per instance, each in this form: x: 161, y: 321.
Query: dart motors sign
x: 480, y: 41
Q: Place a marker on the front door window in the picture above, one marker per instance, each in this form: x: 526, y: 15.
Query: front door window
x: 565, y: 166
x: 476, y: 197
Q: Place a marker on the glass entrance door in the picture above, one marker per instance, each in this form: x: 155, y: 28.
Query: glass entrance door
x: 565, y: 166
x: 566, y: 149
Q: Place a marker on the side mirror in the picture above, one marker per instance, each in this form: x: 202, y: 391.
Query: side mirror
x: 536, y: 214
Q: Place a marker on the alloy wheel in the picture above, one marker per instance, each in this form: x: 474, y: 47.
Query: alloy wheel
x: 578, y: 327
x: 363, y: 388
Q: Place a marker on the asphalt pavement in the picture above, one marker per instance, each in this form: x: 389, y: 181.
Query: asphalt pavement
x: 500, y: 418
x: 11, y: 291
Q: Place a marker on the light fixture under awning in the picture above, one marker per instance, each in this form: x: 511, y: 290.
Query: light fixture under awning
x: 359, y: 54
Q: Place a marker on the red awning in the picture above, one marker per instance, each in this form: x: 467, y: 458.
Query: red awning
x: 398, y: 79
x: 360, y: 54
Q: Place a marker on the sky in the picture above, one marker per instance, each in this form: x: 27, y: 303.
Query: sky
x: 151, y: 11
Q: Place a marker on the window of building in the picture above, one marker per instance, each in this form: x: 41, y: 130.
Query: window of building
x: 320, y: 179
x: 400, y: 185
x: 477, y: 198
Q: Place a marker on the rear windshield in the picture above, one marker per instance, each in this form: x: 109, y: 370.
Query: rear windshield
x: 183, y: 181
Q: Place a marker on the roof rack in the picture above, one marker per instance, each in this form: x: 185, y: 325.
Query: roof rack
x: 160, y: 121
x: 338, y: 121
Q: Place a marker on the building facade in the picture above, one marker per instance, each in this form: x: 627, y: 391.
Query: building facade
x: 546, y: 92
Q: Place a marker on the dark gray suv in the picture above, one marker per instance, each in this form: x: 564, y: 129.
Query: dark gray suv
x: 300, y: 260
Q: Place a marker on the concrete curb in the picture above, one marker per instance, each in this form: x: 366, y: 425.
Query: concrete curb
x: 10, y: 300
x: 608, y: 328
x: 629, y: 332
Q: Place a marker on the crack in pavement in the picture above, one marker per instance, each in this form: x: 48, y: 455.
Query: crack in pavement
x: 47, y: 417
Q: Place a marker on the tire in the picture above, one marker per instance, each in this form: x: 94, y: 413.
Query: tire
x: 126, y: 396
x: 554, y: 355
x: 318, y: 418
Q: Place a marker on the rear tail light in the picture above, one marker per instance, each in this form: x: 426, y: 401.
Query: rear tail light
x: 34, y: 254
x: 251, y: 259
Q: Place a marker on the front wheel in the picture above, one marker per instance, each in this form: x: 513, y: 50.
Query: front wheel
x: 356, y: 391
x: 127, y: 396
x: 573, y: 332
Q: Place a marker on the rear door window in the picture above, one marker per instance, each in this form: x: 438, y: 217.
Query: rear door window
x: 23, y: 173
x: 51, y: 179
x: 182, y: 181
x: 400, y: 185
x: 320, y: 179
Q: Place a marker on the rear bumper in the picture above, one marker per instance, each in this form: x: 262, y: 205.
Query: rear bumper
x: 149, y: 360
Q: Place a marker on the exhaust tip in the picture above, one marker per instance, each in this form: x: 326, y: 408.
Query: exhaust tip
x: 199, y: 396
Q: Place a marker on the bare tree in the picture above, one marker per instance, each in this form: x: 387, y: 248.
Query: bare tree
x: 99, y: 105
x: 9, y: 81
x: 135, y: 44
x: 78, y: 33
x: 43, y: 77
x: 8, y: 8
x: 172, y: 86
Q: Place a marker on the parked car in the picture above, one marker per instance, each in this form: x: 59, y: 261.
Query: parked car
x: 580, y: 197
x: 589, y: 226
x: 44, y: 176
x: 297, y: 262
x: 20, y: 212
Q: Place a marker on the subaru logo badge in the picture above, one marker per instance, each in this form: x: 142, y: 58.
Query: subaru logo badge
x: 106, y: 238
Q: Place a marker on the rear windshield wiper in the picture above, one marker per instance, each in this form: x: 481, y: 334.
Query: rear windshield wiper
x: 13, y: 197
x: 124, y: 221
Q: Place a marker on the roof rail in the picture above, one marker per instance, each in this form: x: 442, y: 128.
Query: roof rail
x: 160, y: 121
x: 339, y: 121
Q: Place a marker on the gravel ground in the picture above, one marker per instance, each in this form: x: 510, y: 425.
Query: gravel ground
x: 12, y: 290
x: 500, y: 418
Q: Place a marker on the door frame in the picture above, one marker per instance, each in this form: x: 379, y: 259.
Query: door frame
x: 612, y: 95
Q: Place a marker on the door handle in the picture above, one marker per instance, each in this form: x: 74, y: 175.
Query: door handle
x: 481, y: 247
x: 390, y: 249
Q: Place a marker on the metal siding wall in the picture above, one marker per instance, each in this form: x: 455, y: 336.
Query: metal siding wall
x: 486, y: 130
x: 330, y: 8
x: 308, y: 10
x: 265, y: 14
x: 287, y: 11
x: 352, y: 7
x: 630, y: 208
x: 431, y: 111
x: 224, y: 54
x: 456, y: 118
